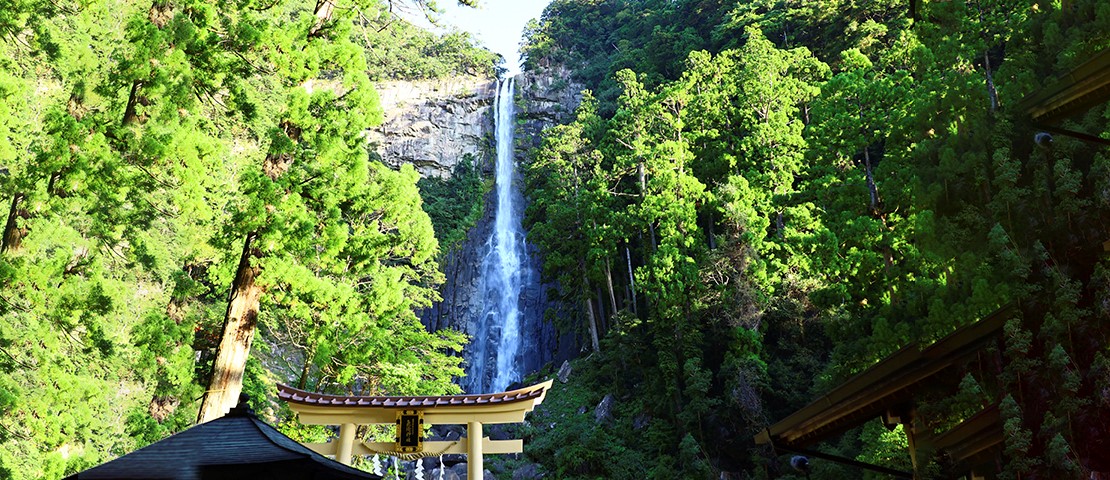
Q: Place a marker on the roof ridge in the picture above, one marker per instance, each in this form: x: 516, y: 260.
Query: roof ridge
x: 296, y: 395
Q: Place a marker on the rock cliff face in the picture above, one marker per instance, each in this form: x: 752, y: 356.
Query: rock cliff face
x: 543, y: 99
x: 547, y: 97
x: 461, y: 307
x: 434, y: 123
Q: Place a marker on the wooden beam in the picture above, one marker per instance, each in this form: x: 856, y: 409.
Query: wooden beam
x: 450, y: 410
x: 1082, y: 88
x: 436, y: 447
x: 369, y: 416
x: 470, y: 410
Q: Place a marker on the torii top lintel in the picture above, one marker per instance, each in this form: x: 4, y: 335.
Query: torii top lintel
x: 505, y: 407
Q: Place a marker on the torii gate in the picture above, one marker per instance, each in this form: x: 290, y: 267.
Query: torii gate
x: 410, y: 414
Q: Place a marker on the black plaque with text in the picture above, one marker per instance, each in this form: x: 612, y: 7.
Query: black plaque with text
x: 410, y: 431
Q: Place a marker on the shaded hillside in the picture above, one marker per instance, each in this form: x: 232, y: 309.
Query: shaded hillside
x: 762, y: 199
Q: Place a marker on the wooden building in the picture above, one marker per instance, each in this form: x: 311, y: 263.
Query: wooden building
x: 889, y: 392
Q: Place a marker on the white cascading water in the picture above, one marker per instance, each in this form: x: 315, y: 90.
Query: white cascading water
x: 502, y: 270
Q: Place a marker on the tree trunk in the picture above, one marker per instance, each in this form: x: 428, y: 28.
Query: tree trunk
x: 593, y: 326
x: 631, y: 279
x: 129, y: 113
x: 712, y: 234
x: 13, y: 234
x: 609, y: 283
x: 302, y: 382
x: 871, y: 188
x: 602, y: 315
x: 235, y: 344
x: 323, y: 12
x: 991, y: 90
x: 643, y: 196
x: 589, y: 307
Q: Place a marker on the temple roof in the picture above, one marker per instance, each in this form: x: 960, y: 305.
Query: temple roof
x: 1072, y: 93
x: 238, y: 445
x: 505, y: 407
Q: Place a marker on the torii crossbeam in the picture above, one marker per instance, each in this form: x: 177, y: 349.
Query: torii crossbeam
x: 410, y: 414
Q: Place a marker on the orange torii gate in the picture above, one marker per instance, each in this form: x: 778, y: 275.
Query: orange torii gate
x: 410, y: 414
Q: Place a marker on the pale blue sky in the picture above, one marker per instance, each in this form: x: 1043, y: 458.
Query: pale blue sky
x: 498, y: 24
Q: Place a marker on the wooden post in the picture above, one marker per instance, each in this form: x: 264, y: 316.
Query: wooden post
x: 474, y: 465
x: 346, y: 443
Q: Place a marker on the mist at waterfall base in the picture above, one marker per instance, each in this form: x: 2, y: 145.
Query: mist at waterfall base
x: 493, y: 356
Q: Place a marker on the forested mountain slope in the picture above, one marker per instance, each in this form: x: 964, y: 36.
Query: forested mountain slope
x: 762, y: 198
x: 158, y: 159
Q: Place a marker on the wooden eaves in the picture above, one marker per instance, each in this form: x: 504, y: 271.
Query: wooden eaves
x: 1078, y: 90
x: 973, y: 440
x: 886, y: 386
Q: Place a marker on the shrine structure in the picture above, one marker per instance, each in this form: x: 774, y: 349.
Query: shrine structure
x: 410, y: 414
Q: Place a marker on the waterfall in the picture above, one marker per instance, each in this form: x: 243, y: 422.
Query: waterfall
x: 495, y: 350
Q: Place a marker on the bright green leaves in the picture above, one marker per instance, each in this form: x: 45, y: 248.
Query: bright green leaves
x: 746, y: 114
x: 133, y: 140
x: 398, y: 50
x: 69, y: 355
x: 652, y: 145
x: 861, y: 179
x: 346, y: 252
x: 837, y: 215
x: 14, y: 126
x: 454, y: 204
x: 561, y: 172
x: 722, y: 146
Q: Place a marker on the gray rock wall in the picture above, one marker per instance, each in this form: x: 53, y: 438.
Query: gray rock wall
x: 547, y: 97
x: 434, y: 123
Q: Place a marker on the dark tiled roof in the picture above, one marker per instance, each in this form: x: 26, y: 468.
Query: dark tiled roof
x: 238, y: 445
x: 294, y: 395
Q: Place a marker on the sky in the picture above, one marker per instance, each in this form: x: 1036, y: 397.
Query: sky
x: 498, y: 24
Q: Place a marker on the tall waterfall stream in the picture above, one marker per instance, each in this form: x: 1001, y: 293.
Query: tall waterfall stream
x: 493, y: 358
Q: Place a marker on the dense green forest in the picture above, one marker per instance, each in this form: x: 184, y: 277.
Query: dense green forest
x: 172, y: 167
x: 756, y: 200
x: 761, y: 198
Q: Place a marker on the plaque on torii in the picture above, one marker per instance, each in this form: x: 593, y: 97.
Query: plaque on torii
x: 410, y: 414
